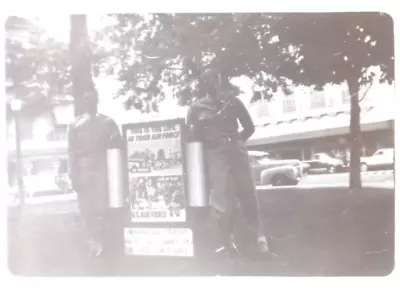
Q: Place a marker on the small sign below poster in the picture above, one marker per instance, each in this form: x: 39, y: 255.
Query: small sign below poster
x: 156, y: 176
x: 159, y: 241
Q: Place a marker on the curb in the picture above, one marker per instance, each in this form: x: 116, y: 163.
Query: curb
x: 370, y: 172
x: 386, y: 185
x: 51, y: 199
x: 378, y: 172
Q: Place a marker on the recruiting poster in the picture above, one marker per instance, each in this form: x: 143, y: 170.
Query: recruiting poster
x: 155, y: 164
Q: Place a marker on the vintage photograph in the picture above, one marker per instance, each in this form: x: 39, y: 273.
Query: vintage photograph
x: 200, y: 144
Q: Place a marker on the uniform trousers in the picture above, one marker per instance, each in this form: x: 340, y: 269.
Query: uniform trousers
x: 93, y: 206
x: 233, y: 191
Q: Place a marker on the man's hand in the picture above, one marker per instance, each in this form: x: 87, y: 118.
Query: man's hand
x: 74, y: 182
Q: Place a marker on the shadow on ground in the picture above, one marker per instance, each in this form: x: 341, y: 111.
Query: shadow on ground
x: 315, y: 232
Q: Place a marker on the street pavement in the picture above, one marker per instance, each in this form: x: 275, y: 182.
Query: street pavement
x: 384, y: 177
x: 381, y: 178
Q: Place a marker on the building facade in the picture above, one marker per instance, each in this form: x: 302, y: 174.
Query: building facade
x: 288, y: 127
x: 43, y: 145
x: 307, y: 122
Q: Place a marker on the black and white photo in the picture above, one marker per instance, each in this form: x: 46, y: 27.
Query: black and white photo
x: 201, y: 144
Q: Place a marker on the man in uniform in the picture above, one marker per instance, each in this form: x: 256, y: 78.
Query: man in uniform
x: 89, y: 137
x: 214, y: 120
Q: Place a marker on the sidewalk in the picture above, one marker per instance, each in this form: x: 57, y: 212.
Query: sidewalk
x: 383, y: 184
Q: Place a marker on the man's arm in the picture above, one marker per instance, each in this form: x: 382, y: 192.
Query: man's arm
x: 115, y: 137
x: 73, y: 171
x: 245, y: 120
x: 192, y: 127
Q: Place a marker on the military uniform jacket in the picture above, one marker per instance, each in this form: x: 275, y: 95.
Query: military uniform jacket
x: 213, y: 120
x: 89, y: 137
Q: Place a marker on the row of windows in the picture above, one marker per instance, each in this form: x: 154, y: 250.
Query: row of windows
x: 291, y: 105
x: 58, y: 136
x: 317, y: 101
x: 335, y: 146
x: 306, y: 153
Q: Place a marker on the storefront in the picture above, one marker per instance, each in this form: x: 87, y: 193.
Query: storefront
x: 302, y: 137
x: 304, y: 149
x: 39, y: 161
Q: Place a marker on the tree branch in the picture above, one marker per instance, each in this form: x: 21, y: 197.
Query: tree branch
x: 365, y: 93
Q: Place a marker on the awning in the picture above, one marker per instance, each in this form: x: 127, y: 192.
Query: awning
x: 322, y: 125
x: 43, y: 149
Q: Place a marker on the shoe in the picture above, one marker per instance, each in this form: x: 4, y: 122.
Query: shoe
x: 222, y: 249
x: 262, y: 248
x: 229, y: 248
x: 262, y: 244
x: 95, y: 248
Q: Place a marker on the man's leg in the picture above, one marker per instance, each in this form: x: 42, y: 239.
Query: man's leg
x: 93, y: 221
x: 222, y: 199
x: 98, y: 231
x: 225, y: 229
x: 247, y: 195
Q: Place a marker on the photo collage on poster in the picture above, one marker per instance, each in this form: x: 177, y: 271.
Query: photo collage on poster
x: 156, y: 186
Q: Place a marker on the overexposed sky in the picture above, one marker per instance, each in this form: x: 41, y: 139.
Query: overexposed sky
x: 57, y: 25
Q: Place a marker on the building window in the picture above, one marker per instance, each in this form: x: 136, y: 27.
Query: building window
x: 12, y: 174
x: 40, y: 166
x: 63, y: 168
x: 289, y: 105
x: 307, y: 153
x: 345, y: 97
x: 58, y: 134
x: 263, y: 110
x: 318, y: 100
x: 290, y: 154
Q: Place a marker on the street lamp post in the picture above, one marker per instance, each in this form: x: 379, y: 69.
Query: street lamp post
x: 16, y: 105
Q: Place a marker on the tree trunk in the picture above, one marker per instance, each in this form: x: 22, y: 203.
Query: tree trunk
x: 81, y: 61
x: 355, y: 137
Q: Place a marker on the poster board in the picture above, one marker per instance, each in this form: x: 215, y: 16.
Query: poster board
x: 176, y: 242
x: 156, y: 174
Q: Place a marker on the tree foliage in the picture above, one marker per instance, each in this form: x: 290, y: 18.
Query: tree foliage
x: 337, y: 47
x: 272, y: 49
x: 41, y: 70
x: 173, y: 49
x: 146, y: 52
x: 310, y: 49
x: 37, y: 67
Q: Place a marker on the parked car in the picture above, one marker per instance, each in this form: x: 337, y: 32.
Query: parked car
x: 305, y: 166
x: 381, y: 159
x: 326, y: 163
x: 63, y: 182
x: 267, y: 171
x: 42, y: 183
x: 13, y: 196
